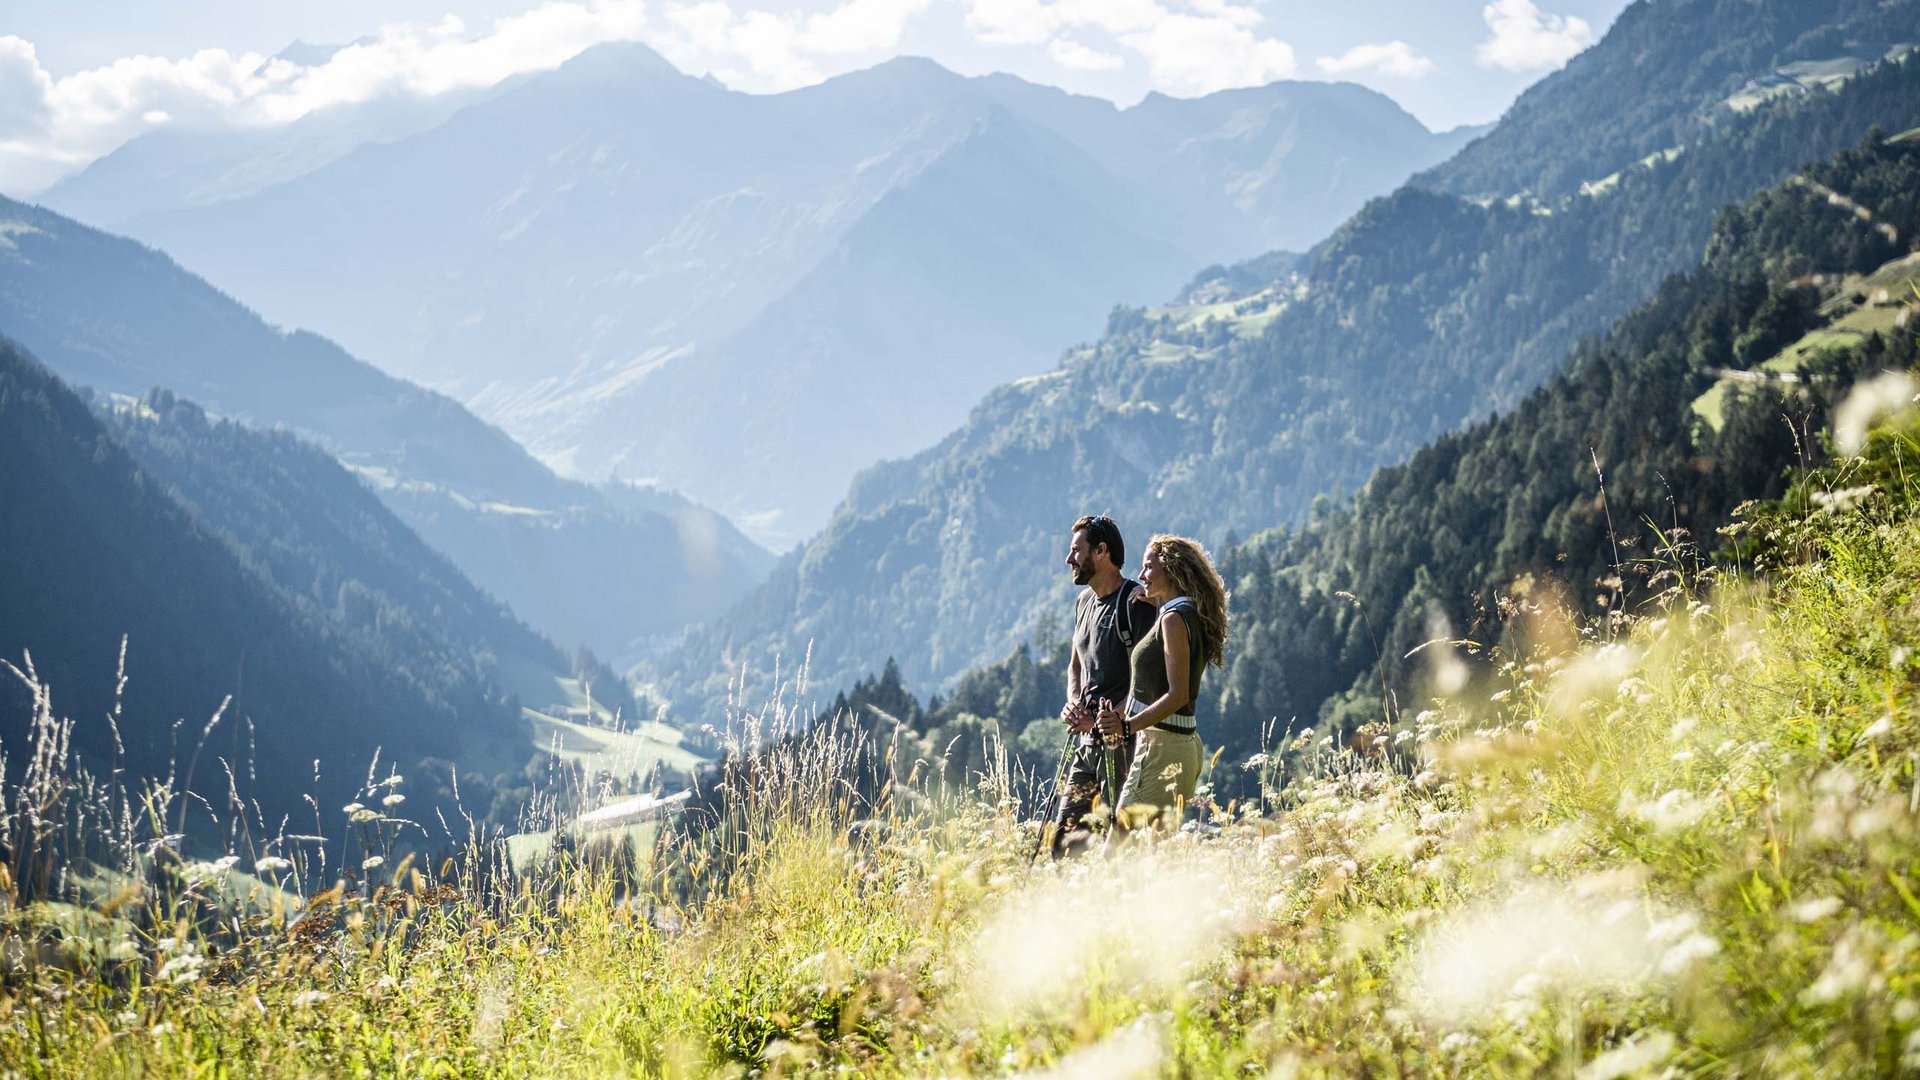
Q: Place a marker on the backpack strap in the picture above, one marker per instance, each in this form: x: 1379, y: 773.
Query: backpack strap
x: 1125, y: 628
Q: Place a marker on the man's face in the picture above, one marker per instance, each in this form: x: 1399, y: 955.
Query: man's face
x: 1080, y: 557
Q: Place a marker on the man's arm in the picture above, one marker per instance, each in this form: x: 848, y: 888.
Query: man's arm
x: 1073, y: 713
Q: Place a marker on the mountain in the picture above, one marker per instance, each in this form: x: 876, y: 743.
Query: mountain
x: 94, y: 549
x: 110, y: 314
x: 611, y: 258
x: 175, y: 168
x: 1671, y: 72
x: 1423, y: 312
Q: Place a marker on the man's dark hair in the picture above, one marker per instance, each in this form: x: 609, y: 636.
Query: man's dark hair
x: 1101, y: 530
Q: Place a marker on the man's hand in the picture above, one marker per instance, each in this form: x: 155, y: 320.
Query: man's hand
x: 1077, y: 717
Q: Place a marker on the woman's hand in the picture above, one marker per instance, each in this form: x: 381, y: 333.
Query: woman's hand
x: 1108, y: 721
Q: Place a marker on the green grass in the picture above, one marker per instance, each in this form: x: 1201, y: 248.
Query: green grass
x: 1683, y: 844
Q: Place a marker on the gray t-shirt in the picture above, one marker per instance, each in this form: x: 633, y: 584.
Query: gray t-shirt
x: 1104, y: 631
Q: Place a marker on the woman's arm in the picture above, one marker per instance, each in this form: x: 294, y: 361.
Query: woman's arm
x: 1173, y: 642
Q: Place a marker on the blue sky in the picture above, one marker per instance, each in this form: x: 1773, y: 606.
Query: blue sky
x: 79, y: 77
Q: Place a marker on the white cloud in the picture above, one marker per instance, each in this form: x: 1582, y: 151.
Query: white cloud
x: 1074, y: 56
x: 49, y: 127
x: 1207, y: 53
x: 1208, y: 45
x: 861, y: 25
x: 24, y: 91
x: 1528, y: 39
x: 1395, y: 58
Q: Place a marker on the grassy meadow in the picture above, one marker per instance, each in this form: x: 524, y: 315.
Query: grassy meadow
x: 1674, y: 842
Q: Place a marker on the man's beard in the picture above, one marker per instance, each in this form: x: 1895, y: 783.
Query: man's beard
x: 1082, y: 575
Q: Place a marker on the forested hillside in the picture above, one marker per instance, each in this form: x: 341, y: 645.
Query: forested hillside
x: 107, y: 313
x: 1424, y: 312
x: 1673, y: 72
x: 94, y: 551
x: 306, y: 524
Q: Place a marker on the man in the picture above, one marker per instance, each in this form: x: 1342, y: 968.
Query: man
x: 1105, y: 616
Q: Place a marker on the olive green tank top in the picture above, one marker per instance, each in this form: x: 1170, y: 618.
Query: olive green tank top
x: 1150, y: 665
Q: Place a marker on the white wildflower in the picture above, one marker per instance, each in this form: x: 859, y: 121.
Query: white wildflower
x: 1814, y: 908
x: 270, y: 864
x: 394, y: 799
x: 1537, y: 939
x: 1849, y: 971
x: 1687, y: 952
x: 1844, y: 499
x: 1672, y: 811
x: 1868, y: 404
x: 1631, y: 1058
x: 183, y: 969
x: 373, y: 862
x: 1136, y: 1050
x: 307, y: 999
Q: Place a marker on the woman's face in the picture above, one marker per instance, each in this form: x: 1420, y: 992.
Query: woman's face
x: 1153, y: 576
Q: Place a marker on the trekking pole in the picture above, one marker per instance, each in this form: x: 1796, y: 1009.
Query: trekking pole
x: 1053, y: 798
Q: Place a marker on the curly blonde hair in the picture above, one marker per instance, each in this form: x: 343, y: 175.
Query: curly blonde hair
x: 1193, y: 576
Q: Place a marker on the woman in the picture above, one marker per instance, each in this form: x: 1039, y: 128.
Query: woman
x: 1190, y: 633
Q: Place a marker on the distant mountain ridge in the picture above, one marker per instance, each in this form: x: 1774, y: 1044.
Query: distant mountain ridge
x: 1225, y: 418
x: 109, y: 314
x: 610, y: 257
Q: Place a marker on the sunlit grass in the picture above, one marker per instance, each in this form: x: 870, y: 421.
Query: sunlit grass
x: 1684, y: 841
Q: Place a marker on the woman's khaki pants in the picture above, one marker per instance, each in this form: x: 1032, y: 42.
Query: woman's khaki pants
x: 1166, y: 768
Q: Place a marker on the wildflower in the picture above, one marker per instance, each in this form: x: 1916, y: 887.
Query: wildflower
x: 1688, y: 951
x: 373, y: 862
x: 1843, y: 500
x: 352, y: 808
x: 394, y: 799
x: 1814, y: 908
x: 1635, y: 1057
x: 1848, y: 972
x: 184, y: 969
x: 225, y: 862
x: 1672, y: 811
x: 1867, y: 405
x: 270, y: 864
x: 307, y: 999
